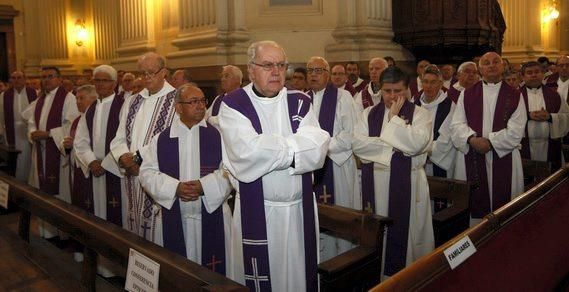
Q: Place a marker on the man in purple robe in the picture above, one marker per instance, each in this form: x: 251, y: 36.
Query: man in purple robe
x: 487, y: 128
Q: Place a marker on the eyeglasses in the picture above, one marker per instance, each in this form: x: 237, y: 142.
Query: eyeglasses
x: 338, y: 73
x: 145, y: 74
x: 102, y: 80
x: 281, y: 66
x: 194, y: 102
x: 50, y: 76
x: 318, y: 71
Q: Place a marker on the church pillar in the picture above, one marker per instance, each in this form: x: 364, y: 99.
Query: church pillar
x: 137, y: 31
x: 53, y: 44
x: 210, y: 33
x: 106, y: 27
x: 364, y: 31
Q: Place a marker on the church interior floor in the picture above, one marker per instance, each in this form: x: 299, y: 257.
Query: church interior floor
x: 39, y: 265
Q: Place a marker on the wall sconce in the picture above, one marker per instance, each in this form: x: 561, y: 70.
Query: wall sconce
x: 80, y: 32
x: 550, y: 12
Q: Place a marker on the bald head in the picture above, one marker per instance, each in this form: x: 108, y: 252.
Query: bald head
x: 491, y: 67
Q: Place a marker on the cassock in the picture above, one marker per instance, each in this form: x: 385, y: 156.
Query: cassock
x: 337, y: 182
x: 442, y: 153
x: 53, y: 112
x: 95, y: 131
x: 143, y: 116
x: 203, y: 225
x: 275, y: 209
x: 496, y: 112
x: 394, y: 183
x: 542, y: 140
x: 366, y: 98
x: 14, y: 127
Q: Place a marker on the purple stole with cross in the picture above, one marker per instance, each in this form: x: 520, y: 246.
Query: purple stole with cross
x: 508, y: 99
x: 443, y: 109
x: 324, y: 177
x: 49, y: 182
x: 552, y: 105
x: 81, y: 185
x: 216, y: 104
x: 253, y: 221
x: 399, y: 191
x: 9, y: 112
x: 159, y: 122
x: 367, y: 101
x: 114, y: 213
x: 213, y: 234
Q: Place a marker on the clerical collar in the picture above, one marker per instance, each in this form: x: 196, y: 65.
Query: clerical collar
x: 260, y: 94
x: 491, y: 83
x: 533, y: 88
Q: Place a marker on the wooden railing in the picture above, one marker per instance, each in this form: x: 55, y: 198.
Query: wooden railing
x: 111, y: 241
x: 433, y: 266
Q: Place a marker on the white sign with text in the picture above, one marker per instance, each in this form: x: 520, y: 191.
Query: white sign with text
x: 4, y: 189
x: 142, y: 273
x: 459, y: 252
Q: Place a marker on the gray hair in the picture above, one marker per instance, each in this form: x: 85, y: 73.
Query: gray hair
x: 112, y: 72
x: 89, y: 90
x: 159, y: 59
x: 382, y: 60
x: 432, y: 69
x: 129, y: 74
x: 236, y: 71
x: 463, y: 65
x: 318, y: 58
x: 254, y: 48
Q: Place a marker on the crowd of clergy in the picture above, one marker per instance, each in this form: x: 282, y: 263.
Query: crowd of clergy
x: 144, y: 151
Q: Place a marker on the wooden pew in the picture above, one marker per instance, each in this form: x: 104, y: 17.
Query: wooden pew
x: 358, y: 268
x: 535, y: 172
x: 520, y: 247
x: 111, y: 241
x: 452, y: 220
x: 9, y: 156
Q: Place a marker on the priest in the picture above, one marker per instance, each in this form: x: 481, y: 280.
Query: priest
x: 231, y: 79
x: 371, y: 95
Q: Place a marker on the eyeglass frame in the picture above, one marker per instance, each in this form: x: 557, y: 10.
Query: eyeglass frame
x: 317, y: 71
x: 194, y: 102
x: 150, y: 75
x: 281, y: 66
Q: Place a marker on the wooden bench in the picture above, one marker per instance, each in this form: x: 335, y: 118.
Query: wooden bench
x: 453, y: 220
x: 9, y: 156
x: 358, y: 268
x: 535, y: 172
x: 111, y: 241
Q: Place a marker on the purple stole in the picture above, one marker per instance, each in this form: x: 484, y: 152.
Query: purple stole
x: 399, y: 191
x: 350, y: 88
x: 552, y: 105
x: 213, y: 234
x: 358, y: 88
x: 9, y: 112
x: 442, y: 112
x: 476, y: 174
x: 453, y: 94
x: 366, y: 97
x: 158, y: 124
x: 216, y: 104
x: 81, y: 188
x: 551, y: 80
x: 324, y: 177
x: 49, y: 184
x: 414, y: 87
x: 113, y: 186
x: 120, y: 95
x: 253, y: 221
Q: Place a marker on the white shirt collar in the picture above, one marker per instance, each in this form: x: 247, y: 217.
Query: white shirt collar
x: 106, y: 99
x: 179, y: 128
x: 440, y: 98
x: 53, y: 91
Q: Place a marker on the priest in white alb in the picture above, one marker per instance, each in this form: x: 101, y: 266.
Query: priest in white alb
x: 13, y: 126
x: 392, y: 139
x: 181, y: 171
x: 272, y: 143
x: 548, y: 118
x: 142, y: 117
x: 487, y: 128
x: 370, y: 95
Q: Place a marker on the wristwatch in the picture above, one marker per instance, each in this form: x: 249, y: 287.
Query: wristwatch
x: 137, y: 158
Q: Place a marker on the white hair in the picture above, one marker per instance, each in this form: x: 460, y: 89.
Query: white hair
x: 112, y: 72
x: 461, y: 67
x: 382, y: 60
x: 254, y: 48
x: 236, y: 71
x: 318, y: 58
x: 89, y: 89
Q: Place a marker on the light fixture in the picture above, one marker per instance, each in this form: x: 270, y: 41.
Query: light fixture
x: 550, y: 12
x: 80, y: 32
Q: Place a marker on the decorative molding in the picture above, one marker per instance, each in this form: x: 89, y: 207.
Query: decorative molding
x: 315, y: 8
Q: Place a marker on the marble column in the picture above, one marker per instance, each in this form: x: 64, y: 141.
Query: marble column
x: 136, y: 31
x: 106, y: 28
x: 53, y: 43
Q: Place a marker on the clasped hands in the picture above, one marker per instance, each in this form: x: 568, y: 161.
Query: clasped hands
x: 96, y: 169
x: 540, y: 115
x: 189, y: 190
x: 39, y: 135
x: 126, y: 161
x: 480, y: 144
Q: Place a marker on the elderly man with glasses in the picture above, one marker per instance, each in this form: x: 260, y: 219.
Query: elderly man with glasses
x: 142, y: 117
x: 336, y: 183
x: 272, y: 144
x: 180, y: 170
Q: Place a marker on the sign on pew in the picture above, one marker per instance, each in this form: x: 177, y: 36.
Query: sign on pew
x: 457, y: 253
x: 142, y: 273
x: 4, y: 189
